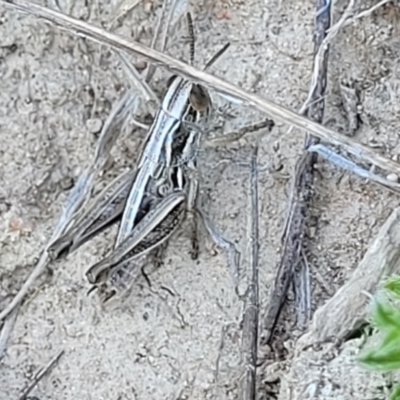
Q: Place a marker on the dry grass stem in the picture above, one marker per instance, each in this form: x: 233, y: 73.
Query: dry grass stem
x: 274, y: 110
x: 136, y: 79
x: 45, y: 370
x: 6, y: 331
x: 292, y: 267
x: 250, y: 319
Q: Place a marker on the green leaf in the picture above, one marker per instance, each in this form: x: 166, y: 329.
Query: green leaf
x: 386, y: 317
x: 391, y: 335
x: 393, y: 286
x: 384, y: 358
x: 395, y: 395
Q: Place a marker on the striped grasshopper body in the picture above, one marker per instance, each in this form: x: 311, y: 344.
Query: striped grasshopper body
x: 173, y: 194
x: 164, y: 204
x: 181, y: 97
x: 153, y: 200
x: 158, y: 148
x: 109, y: 205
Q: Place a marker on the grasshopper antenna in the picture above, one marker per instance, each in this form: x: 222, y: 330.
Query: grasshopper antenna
x: 191, y: 37
x: 216, y: 56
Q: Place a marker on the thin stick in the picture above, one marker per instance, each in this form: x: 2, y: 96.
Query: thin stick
x: 250, y: 320
x: 6, y: 331
x: 151, y: 69
x: 167, y: 25
x: 291, y: 265
x: 109, y: 134
x: 74, y: 200
x: 274, y: 110
x: 347, y: 164
x: 303, y: 286
x: 344, y: 21
x: 323, y: 38
x: 226, y: 245
x: 366, y: 12
x: 122, y: 9
x: 40, y: 375
x: 315, y: 112
x: 216, y: 56
x: 158, y: 29
x: 237, y: 135
x: 136, y: 80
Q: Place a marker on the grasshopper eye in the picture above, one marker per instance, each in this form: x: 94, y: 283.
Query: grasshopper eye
x: 199, y: 98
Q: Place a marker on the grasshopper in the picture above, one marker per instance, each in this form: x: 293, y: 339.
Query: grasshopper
x: 107, y: 206
x: 173, y: 196
x: 161, y: 190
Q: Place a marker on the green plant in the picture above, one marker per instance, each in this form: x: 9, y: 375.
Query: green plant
x: 386, y: 318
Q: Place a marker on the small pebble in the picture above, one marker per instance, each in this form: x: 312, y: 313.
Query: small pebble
x: 224, y: 13
x: 4, y: 208
x: 94, y: 125
x: 66, y: 183
x: 311, y: 232
x: 392, y: 178
x: 24, y: 227
x: 148, y: 6
x: 213, y: 251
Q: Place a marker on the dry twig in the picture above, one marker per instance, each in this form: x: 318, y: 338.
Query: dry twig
x: 342, y: 315
x: 6, y: 331
x: 322, y: 40
x: 250, y: 320
x: 162, y: 36
x: 40, y: 374
x: 346, y: 19
x: 291, y: 265
x: 275, y: 111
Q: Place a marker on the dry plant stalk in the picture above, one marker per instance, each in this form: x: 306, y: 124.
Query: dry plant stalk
x: 322, y: 39
x: 159, y: 41
x: 251, y: 312
x: 40, y: 374
x: 274, y: 110
x: 291, y: 265
x: 350, y: 305
x: 343, y: 313
x: 5, y: 331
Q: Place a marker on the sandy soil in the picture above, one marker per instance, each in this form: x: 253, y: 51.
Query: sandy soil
x: 179, y: 339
